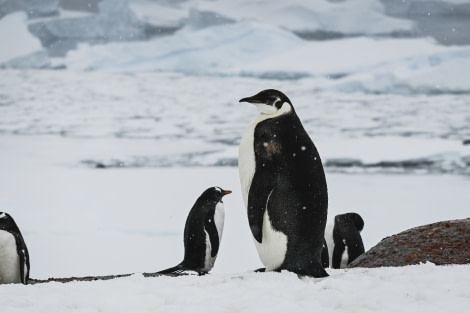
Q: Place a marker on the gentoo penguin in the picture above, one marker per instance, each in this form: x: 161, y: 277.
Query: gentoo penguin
x: 344, y: 239
x: 202, y: 233
x: 284, y: 187
x: 14, y: 256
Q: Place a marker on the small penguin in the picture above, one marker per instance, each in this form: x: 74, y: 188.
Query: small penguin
x: 344, y: 241
x: 284, y: 187
x: 14, y: 256
x: 202, y: 233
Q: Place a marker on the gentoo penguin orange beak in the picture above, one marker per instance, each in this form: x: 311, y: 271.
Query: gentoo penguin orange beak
x: 227, y: 192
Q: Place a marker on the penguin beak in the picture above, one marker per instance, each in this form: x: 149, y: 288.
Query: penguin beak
x: 227, y: 192
x: 250, y: 100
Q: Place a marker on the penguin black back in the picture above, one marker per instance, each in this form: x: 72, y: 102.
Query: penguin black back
x: 9, y: 228
x: 202, y: 233
x: 347, y: 234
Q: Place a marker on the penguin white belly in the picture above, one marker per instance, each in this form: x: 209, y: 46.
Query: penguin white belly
x: 219, y: 217
x: 246, y: 150
x: 9, y: 259
x: 272, y: 250
x: 331, y: 245
x: 329, y: 242
x: 344, y: 257
x: 208, y: 260
x: 246, y: 158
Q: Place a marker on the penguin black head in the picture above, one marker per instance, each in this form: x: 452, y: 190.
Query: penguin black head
x: 268, y: 101
x: 214, y: 194
x: 7, y: 223
x: 350, y: 219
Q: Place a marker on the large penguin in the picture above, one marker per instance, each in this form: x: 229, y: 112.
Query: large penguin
x: 14, y: 256
x: 284, y: 187
x: 202, y: 233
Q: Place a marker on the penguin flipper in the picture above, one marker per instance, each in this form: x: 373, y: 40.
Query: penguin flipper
x: 325, y: 257
x: 211, y: 229
x: 24, y: 267
x: 24, y: 258
x: 261, y: 189
x: 263, y: 183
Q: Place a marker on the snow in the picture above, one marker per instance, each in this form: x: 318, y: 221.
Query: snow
x: 259, y: 50
x: 100, y: 162
x: 158, y: 13
x: 199, y: 121
x: 225, y: 38
x: 78, y: 220
x: 304, y: 15
x: 211, y: 50
x: 14, y: 34
x: 383, y: 290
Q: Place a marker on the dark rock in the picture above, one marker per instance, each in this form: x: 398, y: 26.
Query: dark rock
x: 440, y: 243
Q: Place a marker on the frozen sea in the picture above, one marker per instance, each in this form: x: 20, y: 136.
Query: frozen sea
x: 105, y: 146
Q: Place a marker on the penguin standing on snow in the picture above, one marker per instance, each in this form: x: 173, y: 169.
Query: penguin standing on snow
x: 14, y: 256
x: 284, y: 187
x: 345, y: 241
x: 202, y: 233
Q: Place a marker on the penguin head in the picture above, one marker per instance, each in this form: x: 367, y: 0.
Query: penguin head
x: 350, y: 219
x: 269, y: 101
x: 215, y: 194
x: 6, y: 222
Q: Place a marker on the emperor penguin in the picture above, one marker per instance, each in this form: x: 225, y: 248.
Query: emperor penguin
x: 202, y: 233
x: 284, y: 187
x: 14, y: 256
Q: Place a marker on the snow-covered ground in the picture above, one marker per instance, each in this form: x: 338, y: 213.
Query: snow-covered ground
x: 424, y: 288
x: 80, y: 221
x: 102, y: 157
x: 164, y: 139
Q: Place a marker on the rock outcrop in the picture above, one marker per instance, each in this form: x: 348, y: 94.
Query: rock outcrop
x: 441, y: 243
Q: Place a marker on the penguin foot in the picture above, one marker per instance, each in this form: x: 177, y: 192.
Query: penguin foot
x: 316, y: 273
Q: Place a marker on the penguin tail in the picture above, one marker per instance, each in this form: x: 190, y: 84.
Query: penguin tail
x: 176, y: 270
